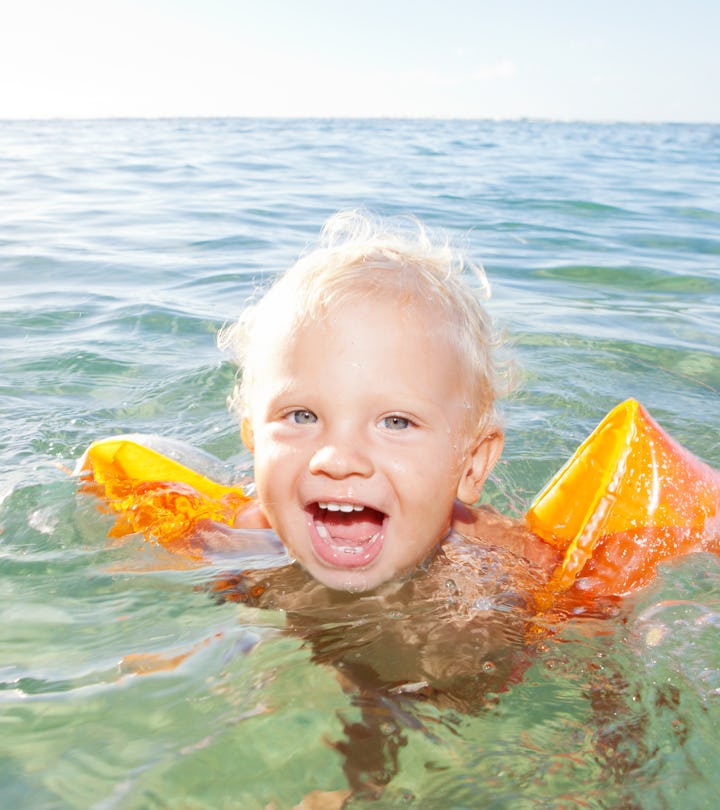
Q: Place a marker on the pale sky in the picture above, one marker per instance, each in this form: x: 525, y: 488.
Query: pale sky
x: 631, y: 60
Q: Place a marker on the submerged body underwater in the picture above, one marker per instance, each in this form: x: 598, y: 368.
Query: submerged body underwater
x: 133, y: 679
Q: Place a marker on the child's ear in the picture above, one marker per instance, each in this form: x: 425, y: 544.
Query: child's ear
x: 247, y: 435
x: 481, y: 458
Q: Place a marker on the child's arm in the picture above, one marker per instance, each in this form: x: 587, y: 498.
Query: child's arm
x: 487, y: 525
x: 210, y: 539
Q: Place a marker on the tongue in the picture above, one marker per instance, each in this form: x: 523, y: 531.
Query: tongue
x: 351, y: 527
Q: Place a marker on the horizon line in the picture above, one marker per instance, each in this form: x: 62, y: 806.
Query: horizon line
x: 281, y: 117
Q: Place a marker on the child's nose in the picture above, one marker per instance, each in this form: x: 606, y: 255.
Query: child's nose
x: 340, y: 461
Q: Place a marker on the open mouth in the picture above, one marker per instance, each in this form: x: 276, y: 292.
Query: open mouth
x: 346, y: 535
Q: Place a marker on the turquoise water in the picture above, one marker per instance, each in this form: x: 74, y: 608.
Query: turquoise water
x: 125, y: 245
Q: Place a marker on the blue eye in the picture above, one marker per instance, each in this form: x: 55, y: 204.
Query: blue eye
x: 395, y: 423
x: 303, y: 417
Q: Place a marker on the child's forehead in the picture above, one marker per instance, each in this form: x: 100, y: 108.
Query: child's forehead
x: 385, y: 348
x: 387, y: 319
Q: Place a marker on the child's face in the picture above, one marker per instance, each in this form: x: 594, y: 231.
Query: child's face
x: 360, y: 427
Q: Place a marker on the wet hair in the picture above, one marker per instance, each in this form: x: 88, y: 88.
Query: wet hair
x: 361, y: 257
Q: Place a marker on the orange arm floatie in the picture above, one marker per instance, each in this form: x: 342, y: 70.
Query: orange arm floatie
x: 154, y: 494
x: 630, y: 497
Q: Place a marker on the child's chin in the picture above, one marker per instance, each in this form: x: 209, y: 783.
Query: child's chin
x: 350, y: 580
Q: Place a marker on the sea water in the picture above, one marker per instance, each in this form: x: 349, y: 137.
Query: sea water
x: 125, y: 245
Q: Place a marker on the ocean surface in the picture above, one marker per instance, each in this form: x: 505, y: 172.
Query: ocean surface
x: 125, y: 245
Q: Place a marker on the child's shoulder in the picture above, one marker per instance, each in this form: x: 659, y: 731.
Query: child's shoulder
x: 486, y: 525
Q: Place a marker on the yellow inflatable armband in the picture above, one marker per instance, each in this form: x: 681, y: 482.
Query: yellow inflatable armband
x: 629, y: 498
x: 154, y: 494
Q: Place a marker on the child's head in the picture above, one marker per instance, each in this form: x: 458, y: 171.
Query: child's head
x: 367, y: 396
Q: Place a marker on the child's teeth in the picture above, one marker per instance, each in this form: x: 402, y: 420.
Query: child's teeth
x: 340, y: 507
